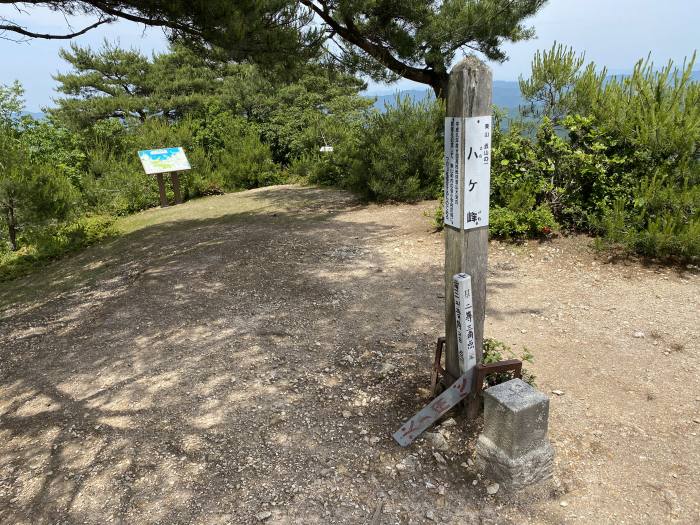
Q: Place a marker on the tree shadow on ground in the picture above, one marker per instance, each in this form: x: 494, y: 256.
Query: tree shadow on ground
x: 203, y: 370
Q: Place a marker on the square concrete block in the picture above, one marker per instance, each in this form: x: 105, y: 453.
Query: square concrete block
x: 515, y: 417
x: 513, y: 448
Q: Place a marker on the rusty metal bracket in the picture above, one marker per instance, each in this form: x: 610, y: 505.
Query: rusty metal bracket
x: 481, y: 371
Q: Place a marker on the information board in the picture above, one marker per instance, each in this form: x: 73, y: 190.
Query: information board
x: 164, y: 160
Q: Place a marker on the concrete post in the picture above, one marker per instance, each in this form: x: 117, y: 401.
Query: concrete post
x: 513, y: 448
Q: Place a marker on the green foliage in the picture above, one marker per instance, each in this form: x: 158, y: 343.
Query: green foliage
x: 239, y: 159
x: 437, y: 216
x: 664, y: 220
x: 124, y: 84
x: 521, y: 186
x: 401, y: 155
x: 238, y: 126
x: 34, y: 190
x: 548, y: 90
x: 11, y: 103
x: 319, y: 108
x: 653, y: 114
x: 414, y: 39
x: 507, y: 223
x: 622, y: 162
x: 495, y: 351
x: 343, y: 129
x: 52, y: 242
x: 49, y: 143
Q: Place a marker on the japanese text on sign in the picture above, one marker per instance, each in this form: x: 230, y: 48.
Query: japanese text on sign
x: 415, y: 426
x: 477, y: 171
x: 453, y: 198
x: 464, y: 317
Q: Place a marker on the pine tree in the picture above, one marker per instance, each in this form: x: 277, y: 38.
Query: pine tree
x: 116, y: 83
x: 30, y: 193
x: 413, y: 39
x: 558, y: 82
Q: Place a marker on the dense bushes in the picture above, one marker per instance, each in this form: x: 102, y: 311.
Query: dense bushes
x: 43, y: 244
x: 616, y: 157
x: 400, y: 156
x: 621, y: 159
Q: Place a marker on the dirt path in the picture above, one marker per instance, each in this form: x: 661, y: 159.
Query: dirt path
x: 247, y: 357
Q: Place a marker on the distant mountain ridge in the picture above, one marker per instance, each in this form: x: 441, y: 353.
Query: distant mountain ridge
x: 36, y: 115
x: 506, y: 94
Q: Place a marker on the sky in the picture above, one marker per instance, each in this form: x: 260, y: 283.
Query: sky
x: 613, y: 33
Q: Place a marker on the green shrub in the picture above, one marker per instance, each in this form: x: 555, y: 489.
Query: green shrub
x: 48, y: 243
x: 505, y: 223
x: 344, y: 133
x: 663, y: 221
x: 495, y: 351
x: 243, y: 161
x: 232, y: 156
x: 401, y: 154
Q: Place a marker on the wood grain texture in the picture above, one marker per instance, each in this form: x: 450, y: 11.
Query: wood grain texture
x: 175, y: 179
x: 469, y: 95
x: 161, y: 190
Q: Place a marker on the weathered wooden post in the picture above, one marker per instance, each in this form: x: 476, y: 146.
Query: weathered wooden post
x: 467, y: 179
x: 175, y: 180
x: 161, y: 190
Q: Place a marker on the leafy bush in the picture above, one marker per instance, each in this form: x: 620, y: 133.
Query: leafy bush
x: 237, y: 158
x: 663, y: 221
x: 401, y: 154
x: 45, y: 244
x: 495, y: 351
x: 506, y: 223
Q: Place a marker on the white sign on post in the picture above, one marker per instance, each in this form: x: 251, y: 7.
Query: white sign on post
x: 464, y: 316
x: 453, y: 199
x: 477, y: 171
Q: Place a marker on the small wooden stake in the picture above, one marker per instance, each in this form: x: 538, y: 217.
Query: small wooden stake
x: 469, y: 95
x: 161, y: 190
x: 175, y: 179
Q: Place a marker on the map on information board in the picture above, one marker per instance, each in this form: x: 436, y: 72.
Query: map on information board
x: 164, y: 160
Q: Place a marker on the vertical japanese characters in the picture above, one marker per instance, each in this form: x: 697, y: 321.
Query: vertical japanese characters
x: 453, y: 198
x: 470, y: 208
x: 464, y: 316
x: 477, y: 171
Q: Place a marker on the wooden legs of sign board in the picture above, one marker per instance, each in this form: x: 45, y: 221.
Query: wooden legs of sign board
x: 513, y: 449
x: 175, y: 180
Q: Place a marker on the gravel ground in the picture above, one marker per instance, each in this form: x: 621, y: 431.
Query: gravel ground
x: 245, y: 359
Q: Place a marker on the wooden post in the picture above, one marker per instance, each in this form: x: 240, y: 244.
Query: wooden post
x: 161, y: 190
x: 468, y: 95
x: 175, y: 179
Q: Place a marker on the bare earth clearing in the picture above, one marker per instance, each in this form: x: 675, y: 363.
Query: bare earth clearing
x: 247, y: 357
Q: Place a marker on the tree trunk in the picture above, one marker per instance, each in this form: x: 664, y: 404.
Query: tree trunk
x: 12, y: 227
x: 439, y: 85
